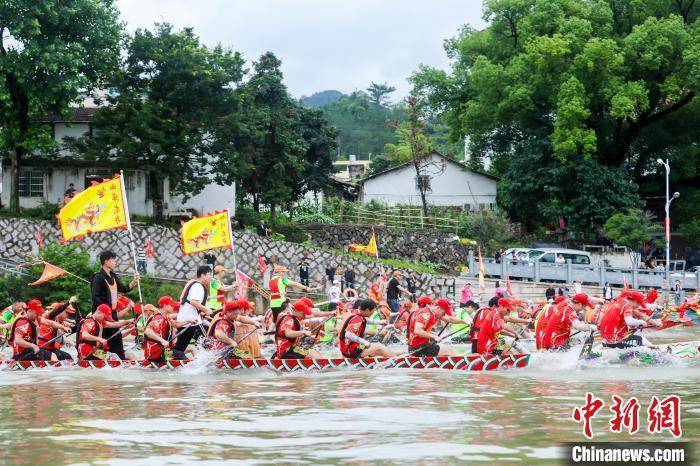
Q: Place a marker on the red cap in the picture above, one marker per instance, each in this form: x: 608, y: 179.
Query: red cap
x: 425, y: 300
x: 307, y: 301
x: 35, y: 305
x: 446, y: 305
x: 407, y: 304
x: 138, y: 309
x: 301, y: 306
x: 175, y: 305
x: 106, y: 310
x: 559, y: 299
x: 652, y: 296
x: 636, y: 296
x: 232, y: 306
x: 122, y: 303
x: 505, y: 302
x: 582, y: 298
x: 245, y: 304
x: 165, y: 301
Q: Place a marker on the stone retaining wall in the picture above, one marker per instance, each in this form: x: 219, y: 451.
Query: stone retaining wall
x: 436, y: 246
x: 18, y: 241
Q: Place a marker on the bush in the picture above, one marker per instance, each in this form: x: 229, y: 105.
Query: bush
x: 291, y: 232
x: 44, y: 211
x: 491, y: 230
x: 246, y: 216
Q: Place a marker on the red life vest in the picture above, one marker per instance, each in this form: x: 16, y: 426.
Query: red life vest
x: 558, y: 327
x: 613, y: 327
x: 45, y: 334
x: 281, y: 341
x: 488, y: 335
x: 30, y: 336
x: 85, y: 347
x: 211, y: 334
x: 541, y: 325
x: 347, y: 347
x: 476, y: 323
x: 415, y: 341
x: 153, y: 349
x: 275, y: 292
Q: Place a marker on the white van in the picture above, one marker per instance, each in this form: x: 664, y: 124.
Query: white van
x: 549, y: 256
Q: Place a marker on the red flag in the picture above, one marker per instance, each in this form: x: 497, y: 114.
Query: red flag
x: 625, y: 285
x: 37, y: 235
x: 149, y: 249
x: 508, y: 290
x: 261, y: 264
x: 243, y: 282
x: 50, y: 272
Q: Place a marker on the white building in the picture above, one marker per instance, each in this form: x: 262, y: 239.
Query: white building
x: 40, y: 181
x: 449, y: 183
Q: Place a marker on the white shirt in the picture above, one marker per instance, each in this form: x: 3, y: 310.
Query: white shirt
x: 188, y: 311
x: 577, y: 288
x: 334, y: 293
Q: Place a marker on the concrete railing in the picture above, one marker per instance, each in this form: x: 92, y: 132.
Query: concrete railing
x: 590, y: 274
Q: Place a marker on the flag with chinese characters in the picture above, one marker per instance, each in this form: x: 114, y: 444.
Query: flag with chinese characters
x: 206, y: 232
x: 262, y: 265
x: 100, y: 207
x: 149, y: 248
x: 370, y: 248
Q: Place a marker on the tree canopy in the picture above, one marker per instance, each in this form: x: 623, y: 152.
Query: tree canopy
x: 51, y: 53
x: 557, y: 91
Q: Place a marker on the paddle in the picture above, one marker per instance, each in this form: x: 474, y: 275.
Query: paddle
x: 45, y: 344
x: 218, y: 354
x: 587, y: 346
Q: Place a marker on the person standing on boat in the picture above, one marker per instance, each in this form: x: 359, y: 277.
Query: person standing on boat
x: 351, y: 337
x: 288, y: 333
x: 493, y: 326
x: 565, y: 316
x: 105, y: 288
x: 278, y: 289
x: 622, y: 319
x: 192, y: 308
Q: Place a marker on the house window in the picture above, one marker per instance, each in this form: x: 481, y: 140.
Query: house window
x: 149, y: 190
x: 423, y: 183
x: 31, y: 183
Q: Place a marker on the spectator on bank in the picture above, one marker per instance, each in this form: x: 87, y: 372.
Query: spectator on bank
x: 349, y: 276
x: 498, y: 255
x: 677, y: 292
x: 304, y: 272
x: 141, y: 264
x: 550, y: 293
x: 466, y: 295
x: 71, y: 191
x: 334, y: 292
x: 577, y: 287
x: 393, y: 292
x: 560, y: 260
x: 498, y: 292
x: 411, y: 285
x: 607, y: 292
x: 262, y: 229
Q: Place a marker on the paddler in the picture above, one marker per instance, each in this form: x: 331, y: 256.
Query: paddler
x: 158, y: 335
x: 329, y: 328
x: 8, y: 317
x: 460, y: 332
x: 221, y: 336
x: 23, y: 334
x: 478, y: 321
x: 622, y: 319
x: 89, y: 340
x: 352, y: 335
x: 493, y: 326
x: 288, y: 333
x: 421, y: 342
x: 217, y: 289
x: 566, y: 315
x: 542, y: 319
x: 278, y: 289
x: 48, y: 337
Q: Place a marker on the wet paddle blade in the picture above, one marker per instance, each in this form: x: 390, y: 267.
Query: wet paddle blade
x: 587, y: 346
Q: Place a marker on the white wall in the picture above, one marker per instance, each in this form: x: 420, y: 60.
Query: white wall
x: 453, y: 187
x: 74, y: 130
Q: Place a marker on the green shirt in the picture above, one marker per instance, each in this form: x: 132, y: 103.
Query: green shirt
x: 7, y: 317
x: 213, y: 302
x: 462, y: 329
x: 282, y: 287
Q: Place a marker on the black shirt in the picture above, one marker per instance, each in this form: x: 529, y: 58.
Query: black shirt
x: 410, y: 284
x: 262, y: 230
x: 303, y: 271
x: 100, y: 289
x: 392, y: 289
x: 350, y: 276
x: 550, y: 293
x: 330, y: 273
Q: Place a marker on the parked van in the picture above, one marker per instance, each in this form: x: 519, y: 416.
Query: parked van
x: 520, y: 253
x: 549, y: 256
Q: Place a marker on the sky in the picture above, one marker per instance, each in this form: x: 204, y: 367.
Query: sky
x: 323, y: 44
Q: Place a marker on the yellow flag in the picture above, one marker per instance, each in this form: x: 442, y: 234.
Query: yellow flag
x: 100, y: 207
x: 206, y: 232
x: 370, y: 248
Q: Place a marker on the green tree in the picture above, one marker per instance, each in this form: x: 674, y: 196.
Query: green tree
x: 488, y: 228
x: 614, y: 82
x: 171, y: 94
x: 631, y: 229
x: 379, y: 93
x: 691, y: 232
x: 52, y: 52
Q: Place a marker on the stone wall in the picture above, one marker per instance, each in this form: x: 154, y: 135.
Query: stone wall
x: 437, y: 246
x: 18, y: 241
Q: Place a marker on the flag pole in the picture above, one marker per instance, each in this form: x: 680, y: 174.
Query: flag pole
x: 230, y: 236
x: 131, y: 233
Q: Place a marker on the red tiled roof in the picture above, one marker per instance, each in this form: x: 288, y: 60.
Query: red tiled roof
x: 75, y: 115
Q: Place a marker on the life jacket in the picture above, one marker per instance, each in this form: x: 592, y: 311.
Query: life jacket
x: 541, y: 322
x: 347, y: 349
x: 281, y: 341
x: 211, y: 332
x: 45, y: 334
x: 113, y: 292
x: 558, y: 327
x: 30, y: 337
x: 275, y: 292
x: 613, y: 327
x: 418, y: 341
x: 476, y: 324
x: 168, y: 329
x: 186, y: 291
x: 460, y: 330
x: 488, y: 334
x: 86, y: 348
x: 327, y: 332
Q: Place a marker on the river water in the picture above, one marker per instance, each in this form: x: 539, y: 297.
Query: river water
x: 207, y: 417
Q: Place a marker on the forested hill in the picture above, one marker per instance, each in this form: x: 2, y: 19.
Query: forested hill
x: 320, y: 99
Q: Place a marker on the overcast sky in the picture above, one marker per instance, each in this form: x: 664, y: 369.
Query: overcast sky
x: 323, y: 44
